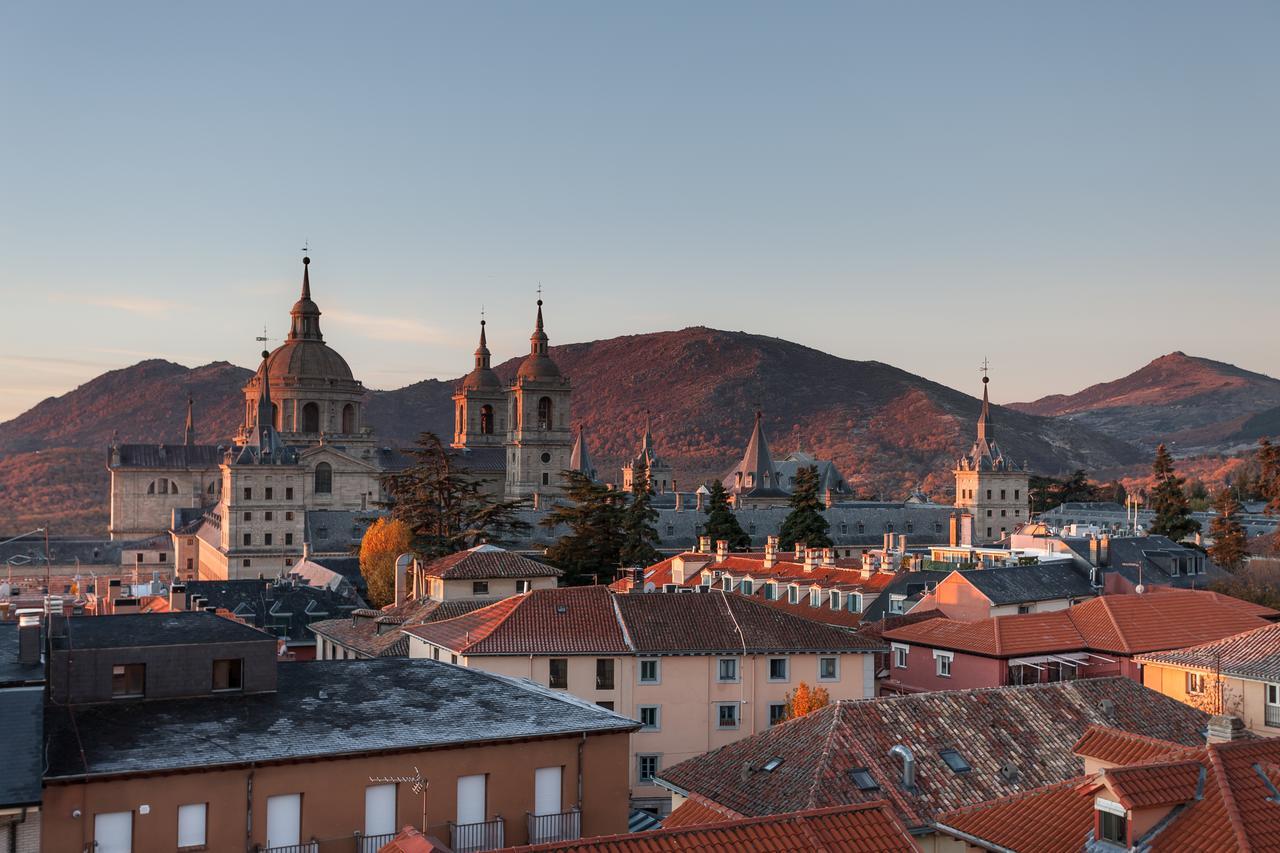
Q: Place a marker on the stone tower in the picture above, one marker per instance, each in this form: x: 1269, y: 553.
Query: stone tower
x: 539, y: 441
x: 479, y: 404
x: 990, y: 486
x: 659, y: 472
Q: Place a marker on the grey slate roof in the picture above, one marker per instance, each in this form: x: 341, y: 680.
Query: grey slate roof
x: 1016, y: 584
x: 480, y: 460
x: 281, y: 609
x: 337, y: 531
x: 12, y: 672
x: 167, y: 456
x: 909, y: 584
x: 22, y: 721
x: 154, y: 629
x: 320, y: 709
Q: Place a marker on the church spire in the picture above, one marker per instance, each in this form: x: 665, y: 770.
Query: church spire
x: 646, y: 443
x: 579, y: 459
x: 189, y: 437
x: 986, y: 429
x: 538, y: 340
x: 482, y: 352
x: 305, y: 314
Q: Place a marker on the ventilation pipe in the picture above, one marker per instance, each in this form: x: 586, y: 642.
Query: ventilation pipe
x: 402, y: 570
x: 908, y: 765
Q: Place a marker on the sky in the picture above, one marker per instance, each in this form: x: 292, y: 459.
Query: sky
x: 1067, y: 189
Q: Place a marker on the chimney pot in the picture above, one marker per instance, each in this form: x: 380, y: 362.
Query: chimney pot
x: 722, y: 549
x: 29, y: 636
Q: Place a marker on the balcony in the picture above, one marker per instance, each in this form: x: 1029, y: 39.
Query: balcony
x: 477, y: 837
x: 305, y: 847
x: 1272, y: 717
x: 558, y: 826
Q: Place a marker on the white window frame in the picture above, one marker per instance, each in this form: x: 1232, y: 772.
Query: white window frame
x: 1196, y: 683
x: 657, y: 718
x: 771, y: 591
x: 372, y: 824
x: 833, y: 600
x: 657, y: 671
x: 1273, y: 695
x: 793, y: 594
x: 786, y: 668
x: 899, y: 652
x: 897, y: 604
x: 737, y: 716
x: 747, y: 587
x: 193, y: 825
x: 737, y: 671
x: 943, y: 661
x: 835, y: 659
x: 854, y: 602
x: 815, y: 597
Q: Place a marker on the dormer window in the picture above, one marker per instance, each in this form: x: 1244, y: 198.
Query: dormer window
x: 1112, y: 822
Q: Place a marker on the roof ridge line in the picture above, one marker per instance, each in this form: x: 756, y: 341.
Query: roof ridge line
x: 622, y: 623
x: 1228, y: 798
x: 820, y: 765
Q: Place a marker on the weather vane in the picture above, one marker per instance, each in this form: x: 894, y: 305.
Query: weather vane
x: 305, y: 244
x: 262, y: 339
x: 986, y: 367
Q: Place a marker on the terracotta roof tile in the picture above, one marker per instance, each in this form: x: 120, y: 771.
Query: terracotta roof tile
x: 693, y: 813
x: 1116, y: 746
x: 1253, y: 654
x: 1026, y: 728
x: 1162, y: 784
x: 862, y: 828
x: 1042, y: 820
x: 487, y: 561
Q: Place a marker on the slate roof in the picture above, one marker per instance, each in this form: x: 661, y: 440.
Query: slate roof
x: 376, y: 633
x: 759, y: 476
x: 11, y: 671
x: 488, y: 561
x: 862, y: 828
x: 335, y: 531
x: 281, y: 609
x: 1120, y: 624
x: 594, y: 620
x: 480, y: 460
x: 1223, y: 797
x: 1016, y: 584
x: 911, y: 585
x: 1027, y: 728
x: 348, y: 567
x: 321, y: 709
x: 154, y: 629
x: 170, y: 456
x: 1253, y: 655
x: 22, y: 721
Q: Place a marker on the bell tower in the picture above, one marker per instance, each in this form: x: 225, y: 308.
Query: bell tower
x: 989, y: 485
x: 480, y: 404
x: 539, y: 440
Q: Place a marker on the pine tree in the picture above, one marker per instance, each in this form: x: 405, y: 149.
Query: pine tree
x: 1230, y: 542
x: 1173, y: 513
x: 384, y: 541
x: 592, y: 548
x: 722, y: 522
x: 639, y: 535
x: 445, y: 510
x: 1269, y: 476
x: 805, y: 523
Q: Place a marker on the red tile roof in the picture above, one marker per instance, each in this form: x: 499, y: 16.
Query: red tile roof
x: 1120, y: 624
x: 1116, y: 746
x: 1027, y: 729
x: 595, y: 620
x: 1253, y: 654
x: 487, y: 561
x: 862, y: 828
x: 692, y: 812
x: 1145, y: 785
x: 1025, y: 822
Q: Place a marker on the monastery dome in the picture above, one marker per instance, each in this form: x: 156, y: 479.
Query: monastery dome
x: 307, y: 359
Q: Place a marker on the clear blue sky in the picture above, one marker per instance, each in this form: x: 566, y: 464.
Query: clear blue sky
x: 1069, y: 189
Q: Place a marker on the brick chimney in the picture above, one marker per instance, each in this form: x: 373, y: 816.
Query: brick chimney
x: 800, y: 549
x: 704, y: 544
x: 770, y: 552
x: 828, y: 556
x: 722, y: 550
x: 679, y: 502
x: 811, y: 556
x: 1223, y: 728
x: 29, y: 636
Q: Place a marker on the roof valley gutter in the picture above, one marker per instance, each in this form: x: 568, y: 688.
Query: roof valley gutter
x: 963, y: 836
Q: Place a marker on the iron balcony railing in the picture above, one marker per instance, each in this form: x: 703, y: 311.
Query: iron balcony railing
x: 374, y: 843
x: 305, y: 847
x: 1273, y: 715
x: 477, y: 837
x: 558, y: 826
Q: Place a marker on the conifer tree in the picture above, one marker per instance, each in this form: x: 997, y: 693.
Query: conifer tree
x: 1269, y: 476
x: 1167, y: 498
x: 722, y: 522
x: 384, y: 541
x: 639, y: 535
x: 1230, y: 542
x: 805, y: 523
x: 593, y: 546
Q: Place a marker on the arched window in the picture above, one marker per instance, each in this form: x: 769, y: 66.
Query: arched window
x: 348, y: 419
x: 310, y: 418
x: 324, y: 479
x: 486, y: 420
x: 544, y: 413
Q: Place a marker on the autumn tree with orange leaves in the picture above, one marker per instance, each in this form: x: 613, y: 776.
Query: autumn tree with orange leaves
x: 386, y: 539
x: 805, y: 699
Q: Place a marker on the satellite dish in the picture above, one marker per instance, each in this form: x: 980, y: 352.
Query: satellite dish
x: 1140, y: 589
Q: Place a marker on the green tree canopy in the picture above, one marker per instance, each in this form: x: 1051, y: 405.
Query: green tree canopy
x: 722, y: 522
x: 805, y: 523
x: 639, y: 533
x: 592, y: 549
x: 1168, y: 500
x: 1230, y: 542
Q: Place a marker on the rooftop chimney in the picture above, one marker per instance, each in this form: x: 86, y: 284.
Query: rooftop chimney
x: 811, y: 558
x: 722, y: 550
x: 828, y: 556
x: 770, y: 552
x: 704, y: 544
x: 178, y: 597
x: 799, y: 551
x: 29, y: 636
x: 679, y: 502
x: 1223, y: 728
x: 402, y: 569
x: 1104, y: 550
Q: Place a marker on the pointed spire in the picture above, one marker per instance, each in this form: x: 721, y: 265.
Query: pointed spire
x: 756, y: 470
x: 189, y: 437
x: 646, y: 443
x: 579, y: 459
x: 306, y: 278
x: 986, y: 429
x: 305, y: 314
x: 538, y: 340
x: 482, y: 352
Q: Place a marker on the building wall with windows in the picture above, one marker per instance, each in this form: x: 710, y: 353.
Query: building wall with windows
x: 924, y: 671
x: 331, y: 795
x: 143, y: 499
x: 453, y: 590
x: 1255, y: 702
x: 688, y: 695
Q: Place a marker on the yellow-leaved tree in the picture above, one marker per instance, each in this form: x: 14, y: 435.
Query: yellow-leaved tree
x: 805, y: 699
x: 386, y: 539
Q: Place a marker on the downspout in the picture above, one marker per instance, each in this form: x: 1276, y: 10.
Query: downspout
x: 248, y: 813
x: 582, y: 743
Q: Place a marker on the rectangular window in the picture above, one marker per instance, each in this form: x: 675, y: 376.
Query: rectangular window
x: 649, y: 672
x: 288, y: 516
x: 777, y: 712
x: 608, y: 706
x: 228, y: 674
x: 288, y: 493
x: 559, y: 673
x: 646, y: 767
x: 128, y: 679
x: 1015, y: 493
x: 748, y: 587
x: 191, y: 825
x: 164, y: 558
x: 1111, y: 827
x: 1195, y: 683
x: 770, y: 591
x: 248, y: 516
x: 604, y: 673
x: 546, y: 478
x: 793, y: 594
x: 284, y: 820
x: 943, y: 661
x: 727, y: 715
x: 777, y: 669
x: 380, y: 809
x: 1002, y: 494
x: 113, y: 832
x: 248, y: 493
x: 288, y: 539
x: 1024, y: 608
x: 479, y: 587
x: 828, y: 669
x: 472, y: 806
x: 835, y: 600
x: 728, y: 669
x: 266, y: 516
x: 248, y: 539
x: 523, y: 586
x: 268, y: 491
x: 649, y: 717
x: 855, y: 602
x: 266, y: 538
x: 988, y: 494
x: 900, y: 656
